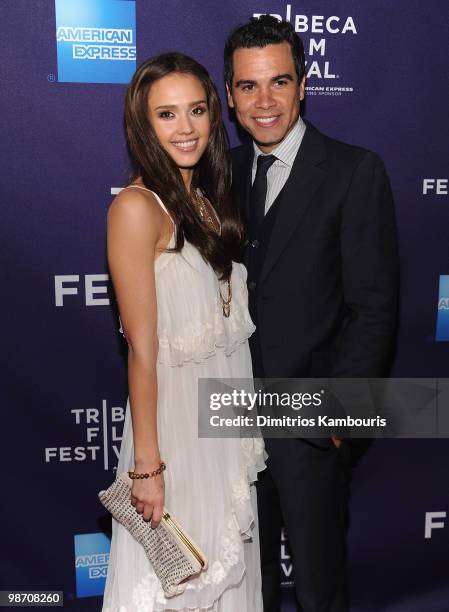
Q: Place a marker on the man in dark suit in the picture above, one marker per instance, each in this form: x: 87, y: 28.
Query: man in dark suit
x: 322, y: 278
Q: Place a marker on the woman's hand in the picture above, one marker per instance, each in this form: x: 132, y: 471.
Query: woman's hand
x: 147, y: 496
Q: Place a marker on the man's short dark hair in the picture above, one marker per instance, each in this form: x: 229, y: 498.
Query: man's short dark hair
x: 260, y: 32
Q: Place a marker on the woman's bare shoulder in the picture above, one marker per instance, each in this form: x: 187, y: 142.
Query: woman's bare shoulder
x: 135, y: 202
x: 136, y: 207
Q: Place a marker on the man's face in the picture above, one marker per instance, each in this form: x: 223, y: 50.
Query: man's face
x: 266, y: 94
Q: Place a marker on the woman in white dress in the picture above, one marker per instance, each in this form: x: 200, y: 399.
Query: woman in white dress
x: 184, y: 316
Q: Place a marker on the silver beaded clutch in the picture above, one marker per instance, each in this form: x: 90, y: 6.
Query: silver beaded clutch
x: 173, y: 554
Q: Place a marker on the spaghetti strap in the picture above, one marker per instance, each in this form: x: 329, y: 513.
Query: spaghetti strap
x: 162, y: 205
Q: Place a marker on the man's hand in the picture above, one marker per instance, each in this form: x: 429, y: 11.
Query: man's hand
x: 337, y: 440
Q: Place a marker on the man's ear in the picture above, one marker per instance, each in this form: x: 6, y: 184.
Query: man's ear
x: 302, y: 88
x: 229, y: 96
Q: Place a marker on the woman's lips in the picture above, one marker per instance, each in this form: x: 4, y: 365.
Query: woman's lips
x: 186, y: 146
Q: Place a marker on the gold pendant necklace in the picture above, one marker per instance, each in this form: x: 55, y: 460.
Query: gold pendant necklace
x: 206, y: 217
x: 226, y: 304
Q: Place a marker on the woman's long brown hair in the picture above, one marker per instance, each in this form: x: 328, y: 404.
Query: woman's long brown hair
x: 160, y: 173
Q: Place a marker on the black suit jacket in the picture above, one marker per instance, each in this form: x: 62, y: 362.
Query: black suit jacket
x: 326, y: 295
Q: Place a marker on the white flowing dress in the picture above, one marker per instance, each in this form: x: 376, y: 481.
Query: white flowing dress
x: 209, y: 482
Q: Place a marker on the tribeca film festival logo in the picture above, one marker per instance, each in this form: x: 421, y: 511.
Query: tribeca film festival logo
x: 316, y: 48
x: 442, y: 332
x: 433, y: 521
x: 90, y: 290
x: 286, y: 560
x: 435, y: 186
x: 100, y: 432
x: 95, y: 40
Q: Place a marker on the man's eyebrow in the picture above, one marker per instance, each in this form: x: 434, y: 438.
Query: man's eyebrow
x: 286, y: 75
x: 245, y: 82
x: 176, y: 106
x: 278, y: 77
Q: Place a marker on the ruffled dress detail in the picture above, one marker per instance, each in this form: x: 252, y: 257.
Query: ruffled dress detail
x: 209, y: 482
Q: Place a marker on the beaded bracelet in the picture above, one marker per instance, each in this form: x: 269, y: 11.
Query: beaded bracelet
x: 160, y: 469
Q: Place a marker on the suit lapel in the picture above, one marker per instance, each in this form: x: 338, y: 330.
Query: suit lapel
x: 296, y: 195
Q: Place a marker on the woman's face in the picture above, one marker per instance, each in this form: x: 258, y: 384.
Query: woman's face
x: 179, y: 115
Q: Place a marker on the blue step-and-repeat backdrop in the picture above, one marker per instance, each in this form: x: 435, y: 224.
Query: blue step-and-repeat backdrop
x: 377, y: 77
